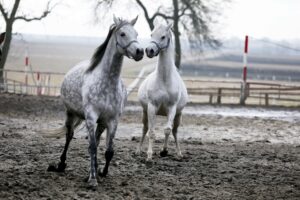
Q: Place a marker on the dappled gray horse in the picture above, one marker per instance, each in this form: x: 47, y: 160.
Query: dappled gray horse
x: 163, y: 91
x: 93, y: 91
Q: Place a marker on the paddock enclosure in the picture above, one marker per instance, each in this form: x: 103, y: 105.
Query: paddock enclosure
x: 229, y: 151
x: 252, y: 153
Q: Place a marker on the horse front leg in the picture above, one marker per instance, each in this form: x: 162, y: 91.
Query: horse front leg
x: 168, y: 129
x: 177, y: 121
x: 145, y: 130
x: 109, y: 153
x: 91, y: 124
x: 151, y: 122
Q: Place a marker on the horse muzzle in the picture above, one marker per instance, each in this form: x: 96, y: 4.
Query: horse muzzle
x: 151, y: 52
x: 139, y: 54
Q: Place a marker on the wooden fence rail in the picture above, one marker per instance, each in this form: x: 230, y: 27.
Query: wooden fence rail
x: 200, y: 90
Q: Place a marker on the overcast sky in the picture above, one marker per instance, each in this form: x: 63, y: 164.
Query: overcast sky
x: 276, y: 19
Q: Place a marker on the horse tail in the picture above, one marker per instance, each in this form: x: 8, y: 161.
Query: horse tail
x: 59, y: 132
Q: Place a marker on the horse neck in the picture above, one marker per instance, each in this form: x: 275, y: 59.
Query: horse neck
x: 111, y: 63
x: 166, y: 64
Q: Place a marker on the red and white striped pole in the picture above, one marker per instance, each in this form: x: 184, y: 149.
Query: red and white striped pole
x: 244, y: 86
x: 245, y: 59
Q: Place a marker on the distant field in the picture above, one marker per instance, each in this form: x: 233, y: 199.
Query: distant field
x: 59, y: 54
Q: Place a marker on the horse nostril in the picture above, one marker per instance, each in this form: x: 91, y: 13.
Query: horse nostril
x: 151, y: 51
x: 140, y: 51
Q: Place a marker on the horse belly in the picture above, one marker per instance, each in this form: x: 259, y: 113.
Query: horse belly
x: 71, y: 90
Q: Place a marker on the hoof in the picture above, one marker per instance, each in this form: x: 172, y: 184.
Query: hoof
x: 137, y: 152
x: 92, y: 184
x: 86, y: 179
x: 149, y: 162
x: 164, y: 153
x: 167, y: 130
x: 179, y: 155
x: 57, y: 168
x: 102, y: 174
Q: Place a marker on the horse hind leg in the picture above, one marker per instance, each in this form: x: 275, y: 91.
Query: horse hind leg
x: 145, y: 129
x: 100, y: 129
x: 69, y: 124
x: 177, y: 121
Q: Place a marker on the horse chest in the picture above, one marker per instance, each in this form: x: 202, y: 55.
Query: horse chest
x: 164, y: 95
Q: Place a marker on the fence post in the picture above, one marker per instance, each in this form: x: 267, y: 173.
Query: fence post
x: 5, y: 81
x: 26, y: 70
x: 14, y: 86
x: 243, y: 94
x: 219, y: 96
x: 38, y: 84
x: 267, y: 99
x: 210, y: 98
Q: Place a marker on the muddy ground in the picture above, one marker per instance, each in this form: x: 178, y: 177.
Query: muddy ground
x: 225, y: 157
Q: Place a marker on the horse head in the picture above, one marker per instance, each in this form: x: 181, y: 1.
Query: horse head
x: 126, y: 39
x: 160, y: 40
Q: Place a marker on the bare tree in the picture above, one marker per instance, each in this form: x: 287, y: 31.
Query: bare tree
x: 10, y: 15
x: 194, y: 17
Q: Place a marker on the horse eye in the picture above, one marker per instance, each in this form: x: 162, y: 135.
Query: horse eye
x: 123, y: 34
x: 163, y: 37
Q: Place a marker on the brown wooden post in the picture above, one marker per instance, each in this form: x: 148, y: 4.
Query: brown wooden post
x: 14, y: 86
x: 210, y: 98
x: 267, y: 99
x: 219, y: 96
x: 5, y: 81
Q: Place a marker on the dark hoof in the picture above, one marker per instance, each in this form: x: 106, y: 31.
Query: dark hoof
x: 92, y: 184
x: 86, y: 179
x: 149, y: 163
x: 57, y: 168
x: 90, y: 187
x: 102, y: 174
x: 164, y: 153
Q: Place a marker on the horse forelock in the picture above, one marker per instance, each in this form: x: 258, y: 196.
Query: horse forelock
x: 99, y: 53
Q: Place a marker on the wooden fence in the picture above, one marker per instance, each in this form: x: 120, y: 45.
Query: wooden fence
x: 200, y: 90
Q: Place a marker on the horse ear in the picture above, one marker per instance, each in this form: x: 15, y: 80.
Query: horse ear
x: 116, y: 20
x: 2, y: 37
x: 169, y: 26
x: 132, y: 22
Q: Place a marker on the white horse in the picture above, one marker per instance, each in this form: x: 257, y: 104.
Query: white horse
x: 93, y: 91
x: 163, y: 92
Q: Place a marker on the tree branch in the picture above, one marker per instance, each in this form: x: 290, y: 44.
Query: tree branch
x: 47, y: 11
x: 14, y: 10
x: 143, y: 8
x: 161, y: 15
x: 4, y: 14
x: 182, y: 11
x: 146, y: 14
